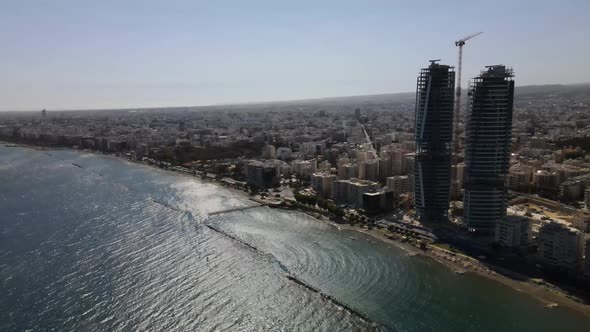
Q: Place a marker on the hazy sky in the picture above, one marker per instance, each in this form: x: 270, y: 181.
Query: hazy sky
x: 80, y: 54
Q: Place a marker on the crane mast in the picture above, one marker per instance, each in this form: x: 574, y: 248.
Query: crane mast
x: 456, y: 109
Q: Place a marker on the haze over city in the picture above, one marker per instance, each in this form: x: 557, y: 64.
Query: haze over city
x: 111, y: 54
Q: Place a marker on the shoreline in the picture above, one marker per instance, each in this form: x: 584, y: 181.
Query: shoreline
x: 538, y: 292
x: 548, y: 297
x: 454, y: 261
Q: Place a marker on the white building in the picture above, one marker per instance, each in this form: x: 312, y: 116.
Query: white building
x: 304, y: 168
x: 347, y: 171
x: 397, y: 162
x: 520, y: 177
x: 399, y: 184
x: 323, y: 184
x: 351, y: 191
x: 514, y: 231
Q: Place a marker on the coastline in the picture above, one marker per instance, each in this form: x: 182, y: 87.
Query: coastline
x: 541, y: 293
x: 544, y: 295
x: 549, y: 297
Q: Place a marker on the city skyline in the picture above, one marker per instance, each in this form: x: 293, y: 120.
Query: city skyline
x: 263, y: 165
x: 351, y: 162
x: 68, y: 56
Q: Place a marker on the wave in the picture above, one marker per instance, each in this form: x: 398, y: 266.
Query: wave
x: 294, y: 278
x: 186, y: 213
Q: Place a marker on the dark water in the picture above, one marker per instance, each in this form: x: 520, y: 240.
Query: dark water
x: 113, y: 246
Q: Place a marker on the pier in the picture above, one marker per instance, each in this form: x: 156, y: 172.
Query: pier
x: 242, y: 208
x: 292, y: 277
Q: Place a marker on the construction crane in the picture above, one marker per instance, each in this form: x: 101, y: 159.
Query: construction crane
x: 459, y: 43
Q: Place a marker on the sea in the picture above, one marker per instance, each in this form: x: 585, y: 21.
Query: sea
x: 95, y: 243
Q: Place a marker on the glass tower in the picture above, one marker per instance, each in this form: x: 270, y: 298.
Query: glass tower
x: 433, y: 135
x: 488, y: 134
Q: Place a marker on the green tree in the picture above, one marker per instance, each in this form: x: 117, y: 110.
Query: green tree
x: 322, y: 203
x: 339, y: 212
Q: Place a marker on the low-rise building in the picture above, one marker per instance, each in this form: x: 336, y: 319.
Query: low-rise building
x: 546, y: 183
x: 581, y: 221
x: 351, y: 191
x: 514, y: 231
x: 269, y: 152
x: 347, y: 171
x: 399, y: 185
x: 560, y: 246
x: 380, y: 201
x: 520, y: 178
x: 571, y: 191
x: 304, y: 168
x: 261, y: 174
x: 372, y: 202
x: 323, y: 184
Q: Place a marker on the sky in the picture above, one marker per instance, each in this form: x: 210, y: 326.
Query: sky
x: 88, y: 54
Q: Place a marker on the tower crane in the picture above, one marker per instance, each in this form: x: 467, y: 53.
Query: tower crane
x: 459, y: 43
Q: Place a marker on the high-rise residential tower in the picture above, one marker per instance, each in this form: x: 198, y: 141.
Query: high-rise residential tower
x: 434, y: 131
x: 487, y: 148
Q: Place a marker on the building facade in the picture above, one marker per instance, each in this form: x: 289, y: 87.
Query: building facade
x: 514, y: 231
x: 560, y: 246
x: 261, y: 174
x: 323, y: 184
x: 350, y: 192
x: 488, y: 134
x: 376, y: 202
x: 433, y: 136
x: 581, y: 221
x: 269, y: 152
x: 520, y: 178
x: 399, y: 184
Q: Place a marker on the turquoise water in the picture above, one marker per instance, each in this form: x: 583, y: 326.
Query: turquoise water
x: 116, y: 246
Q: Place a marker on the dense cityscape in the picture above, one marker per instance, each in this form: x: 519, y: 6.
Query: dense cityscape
x: 295, y: 166
x: 514, y: 199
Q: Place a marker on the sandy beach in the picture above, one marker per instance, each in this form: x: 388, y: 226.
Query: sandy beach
x: 457, y: 263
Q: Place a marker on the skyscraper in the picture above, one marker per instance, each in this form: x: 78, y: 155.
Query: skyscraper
x: 487, y: 148
x: 434, y: 131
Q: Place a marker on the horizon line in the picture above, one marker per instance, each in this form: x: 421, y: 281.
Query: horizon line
x: 245, y: 103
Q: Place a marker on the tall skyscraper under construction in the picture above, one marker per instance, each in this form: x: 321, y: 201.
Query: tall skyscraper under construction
x: 434, y: 132
x: 488, y: 134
